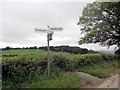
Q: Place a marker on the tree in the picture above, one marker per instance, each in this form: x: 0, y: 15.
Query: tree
x: 100, y: 22
x: 7, y: 48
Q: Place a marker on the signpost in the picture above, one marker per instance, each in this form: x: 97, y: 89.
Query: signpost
x: 50, y: 32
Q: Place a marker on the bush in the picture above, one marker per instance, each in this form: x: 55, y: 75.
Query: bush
x: 73, y: 62
x: 18, y: 71
x: 63, y: 63
x: 117, y: 53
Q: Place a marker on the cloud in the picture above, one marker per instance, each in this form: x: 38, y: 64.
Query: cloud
x: 48, y: 1
x: 19, y: 20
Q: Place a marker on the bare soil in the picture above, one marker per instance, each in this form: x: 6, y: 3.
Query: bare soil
x: 89, y: 81
x: 111, y: 82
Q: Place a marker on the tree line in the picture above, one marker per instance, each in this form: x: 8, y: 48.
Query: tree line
x: 74, y: 50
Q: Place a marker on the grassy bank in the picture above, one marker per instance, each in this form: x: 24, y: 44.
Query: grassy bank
x: 101, y: 70
x: 65, y: 80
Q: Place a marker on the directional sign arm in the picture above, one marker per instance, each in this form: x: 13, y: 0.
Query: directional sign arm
x: 56, y: 28
x: 41, y: 30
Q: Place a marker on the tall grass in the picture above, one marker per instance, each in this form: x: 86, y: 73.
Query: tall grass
x: 58, y: 79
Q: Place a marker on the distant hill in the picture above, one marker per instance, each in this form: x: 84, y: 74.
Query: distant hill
x: 105, y: 51
x: 69, y: 49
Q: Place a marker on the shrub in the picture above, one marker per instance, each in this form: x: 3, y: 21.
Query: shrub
x: 19, y: 71
x: 62, y: 62
x: 69, y: 63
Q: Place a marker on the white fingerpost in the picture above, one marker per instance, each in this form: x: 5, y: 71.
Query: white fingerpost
x: 50, y: 32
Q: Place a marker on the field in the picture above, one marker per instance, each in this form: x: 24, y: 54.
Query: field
x: 27, y: 68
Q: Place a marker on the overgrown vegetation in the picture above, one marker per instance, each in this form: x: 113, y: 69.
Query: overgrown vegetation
x: 29, y: 65
x: 101, y: 70
x: 58, y: 79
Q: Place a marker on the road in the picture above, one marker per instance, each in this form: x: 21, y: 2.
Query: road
x: 111, y: 82
x: 89, y: 81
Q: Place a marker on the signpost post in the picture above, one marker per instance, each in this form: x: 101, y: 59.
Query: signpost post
x: 50, y: 32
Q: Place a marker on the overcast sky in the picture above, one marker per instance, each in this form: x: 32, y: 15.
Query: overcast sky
x: 19, y: 20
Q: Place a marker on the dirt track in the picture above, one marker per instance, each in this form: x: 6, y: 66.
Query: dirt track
x: 111, y: 82
x: 88, y: 81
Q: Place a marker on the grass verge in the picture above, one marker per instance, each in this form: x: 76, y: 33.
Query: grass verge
x: 57, y: 79
x: 66, y: 80
x: 101, y: 70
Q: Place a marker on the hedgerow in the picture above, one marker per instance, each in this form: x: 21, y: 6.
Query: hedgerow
x: 18, y: 69
x: 73, y: 62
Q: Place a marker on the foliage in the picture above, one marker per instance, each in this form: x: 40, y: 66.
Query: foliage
x: 63, y: 63
x: 100, y: 22
x: 57, y: 80
x: 101, y: 70
x: 117, y: 52
x: 21, y: 70
x: 74, y: 62
x: 75, y: 50
x: 24, y: 68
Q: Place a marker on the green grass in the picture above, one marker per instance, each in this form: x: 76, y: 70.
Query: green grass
x: 57, y: 79
x: 101, y: 70
x: 65, y: 80
x: 29, y: 54
x: 23, y: 52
